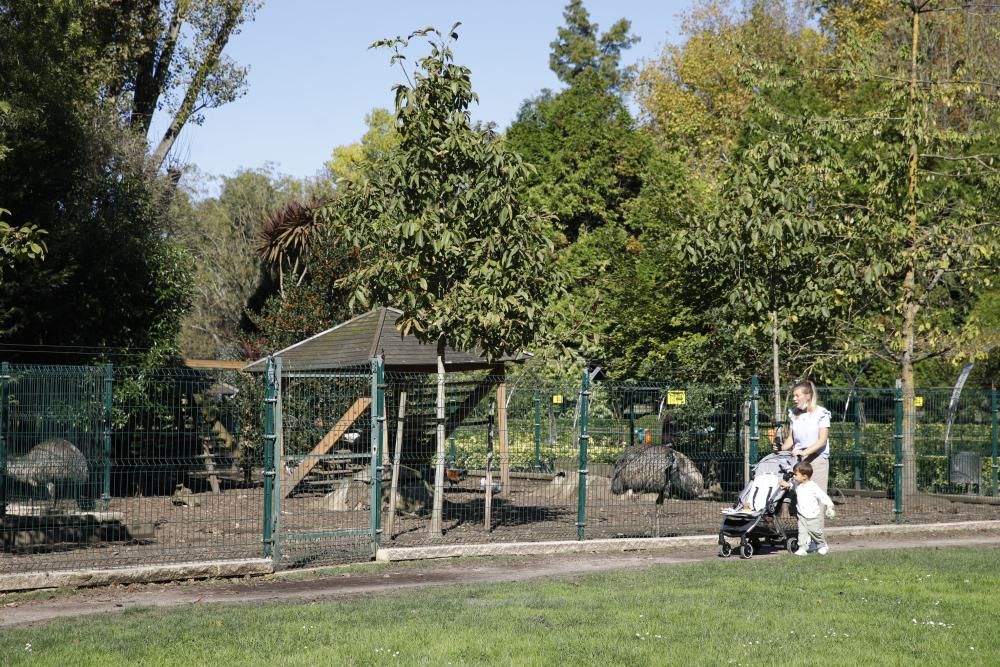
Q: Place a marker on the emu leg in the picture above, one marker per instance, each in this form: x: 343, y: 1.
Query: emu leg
x: 51, y: 488
x: 659, y: 506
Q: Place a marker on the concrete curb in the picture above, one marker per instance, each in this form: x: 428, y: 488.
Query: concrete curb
x: 650, y: 543
x: 135, y: 575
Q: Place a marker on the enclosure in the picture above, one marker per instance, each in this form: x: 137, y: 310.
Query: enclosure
x: 320, y: 465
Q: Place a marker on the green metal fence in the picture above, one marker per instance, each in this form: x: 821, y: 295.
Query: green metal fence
x: 307, y: 465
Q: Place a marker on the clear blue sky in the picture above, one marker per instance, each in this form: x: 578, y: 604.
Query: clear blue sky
x: 312, y: 77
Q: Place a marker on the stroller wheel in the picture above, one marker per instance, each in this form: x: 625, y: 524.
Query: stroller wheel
x: 793, y: 545
x: 725, y: 550
x: 746, y: 550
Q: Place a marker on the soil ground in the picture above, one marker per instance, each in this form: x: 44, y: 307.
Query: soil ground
x: 317, y: 529
x: 392, y: 579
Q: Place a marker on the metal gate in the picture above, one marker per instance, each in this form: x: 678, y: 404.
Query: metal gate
x: 323, y: 431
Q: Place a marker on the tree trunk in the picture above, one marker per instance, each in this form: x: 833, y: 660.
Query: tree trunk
x: 906, y: 374
x: 234, y: 10
x: 775, y: 373
x: 154, y: 63
x: 909, y: 304
x: 436, y: 513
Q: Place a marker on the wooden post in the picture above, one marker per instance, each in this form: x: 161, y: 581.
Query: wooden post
x: 213, y: 479
x: 394, y: 487
x: 502, y: 432
x: 488, y: 479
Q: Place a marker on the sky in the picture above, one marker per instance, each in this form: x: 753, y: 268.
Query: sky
x: 312, y: 77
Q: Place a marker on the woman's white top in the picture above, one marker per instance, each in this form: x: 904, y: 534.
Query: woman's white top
x: 806, y: 426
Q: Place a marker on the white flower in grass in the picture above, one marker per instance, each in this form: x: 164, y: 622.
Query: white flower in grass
x: 27, y: 647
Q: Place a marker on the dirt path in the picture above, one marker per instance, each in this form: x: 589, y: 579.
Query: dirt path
x: 20, y: 609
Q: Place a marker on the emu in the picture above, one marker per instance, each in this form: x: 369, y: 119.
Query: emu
x: 656, y: 469
x: 56, y: 464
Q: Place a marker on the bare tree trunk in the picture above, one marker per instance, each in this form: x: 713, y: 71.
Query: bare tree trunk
x: 436, y: 513
x: 154, y: 63
x: 234, y: 10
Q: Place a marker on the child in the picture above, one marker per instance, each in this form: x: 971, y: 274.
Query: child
x: 810, y: 501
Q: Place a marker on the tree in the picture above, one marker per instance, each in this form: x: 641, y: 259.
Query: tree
x: 589, y: 158
x: 441, y: 229
x: 924, y: 135
x: 109, y: 278
x: 381, y: 137
x: 221, y: 233
x: 579, y: 48
x: 693, y: 97
x: 167, y: 55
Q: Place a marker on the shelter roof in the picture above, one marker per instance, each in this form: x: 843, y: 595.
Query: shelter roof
x: 358, y: 340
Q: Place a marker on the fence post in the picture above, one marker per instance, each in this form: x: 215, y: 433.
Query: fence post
x: 994, y: 429
x: 4, y: 399
x: 453, y: 450
x: 898, y: 467
x: 538, y: 431
x: 272, y: 384
x: 630, y: 398
x: 581, y: 510
x: 754, y: 426
x: 858, y: 477
x: 378, y: 426
x: 109, y: 381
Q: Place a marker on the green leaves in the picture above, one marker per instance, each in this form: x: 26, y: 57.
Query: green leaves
x: 441, y: 228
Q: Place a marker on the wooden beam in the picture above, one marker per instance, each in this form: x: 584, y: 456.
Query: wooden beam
x: 324, y: 445
x: 218, y: 364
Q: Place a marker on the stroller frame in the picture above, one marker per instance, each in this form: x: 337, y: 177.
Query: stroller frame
x: 754, y: 528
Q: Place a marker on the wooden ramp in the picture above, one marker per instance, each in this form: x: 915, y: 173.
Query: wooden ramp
x: 323, y: 446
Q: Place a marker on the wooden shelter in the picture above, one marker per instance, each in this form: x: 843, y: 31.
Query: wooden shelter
x: 355, y: 343
x: 358, y: 340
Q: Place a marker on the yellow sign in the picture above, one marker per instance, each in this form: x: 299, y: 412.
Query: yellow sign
x: 677, y: 397
x: 557, y: 398
x: 918, y: 401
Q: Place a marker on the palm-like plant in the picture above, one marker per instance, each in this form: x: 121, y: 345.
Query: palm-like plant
x: 285, y: 238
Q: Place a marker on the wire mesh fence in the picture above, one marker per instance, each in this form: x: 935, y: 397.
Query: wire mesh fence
x: 108, y: 467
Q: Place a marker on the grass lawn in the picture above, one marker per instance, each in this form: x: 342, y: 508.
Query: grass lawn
x: 923, y: 606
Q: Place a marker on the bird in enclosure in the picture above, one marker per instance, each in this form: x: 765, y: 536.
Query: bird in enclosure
x: 455, y: 476
x: 656, y: 469
x: 55, y: 464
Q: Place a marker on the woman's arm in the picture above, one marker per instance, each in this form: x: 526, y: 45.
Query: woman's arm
x: 789, y: 443
x: 824, y: 434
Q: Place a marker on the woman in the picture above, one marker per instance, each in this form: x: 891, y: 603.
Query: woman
x: 809, y: 432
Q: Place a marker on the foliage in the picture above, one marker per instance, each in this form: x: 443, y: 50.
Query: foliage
x: 440, y: 227
x: 82, y: 80
x: 25, y: 241
x: 693, y: 97
x: 348, y: 162
x: 580, y: 49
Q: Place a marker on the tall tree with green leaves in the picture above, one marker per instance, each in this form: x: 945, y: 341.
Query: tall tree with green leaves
x: 921, y: 115
x: 109, y: 277
x: 167, y: 55
x: 589, y: 159
x: 441, y: 229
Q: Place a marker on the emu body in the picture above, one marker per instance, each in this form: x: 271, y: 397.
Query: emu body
x: 53, y: 464
x: 656, y: 469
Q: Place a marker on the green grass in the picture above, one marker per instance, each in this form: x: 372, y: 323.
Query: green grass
x: 923, y: 606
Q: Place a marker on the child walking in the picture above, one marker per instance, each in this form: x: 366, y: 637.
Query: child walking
x: 810, y: 501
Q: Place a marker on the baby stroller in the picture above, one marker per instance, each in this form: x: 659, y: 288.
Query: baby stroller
x: 755, y: 516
